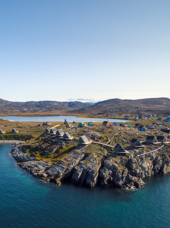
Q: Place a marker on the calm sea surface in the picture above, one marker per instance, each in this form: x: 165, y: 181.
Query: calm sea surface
x: 27, y: 202
x: 56, y: 119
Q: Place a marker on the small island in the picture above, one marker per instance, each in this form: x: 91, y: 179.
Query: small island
x: 118, y: 155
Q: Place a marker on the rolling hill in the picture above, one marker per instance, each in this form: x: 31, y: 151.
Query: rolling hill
x: 119, y: 106
x: 8, y: 107
x: 111, y: 106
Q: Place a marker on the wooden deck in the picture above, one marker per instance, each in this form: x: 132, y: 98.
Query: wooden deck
x: 55, y: 126
x: 150, y: 152
x: 104, y: 144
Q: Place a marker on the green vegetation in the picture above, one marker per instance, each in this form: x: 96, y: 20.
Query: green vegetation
x: 20, y: 137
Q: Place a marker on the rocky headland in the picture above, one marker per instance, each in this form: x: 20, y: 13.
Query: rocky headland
x: 97, y: 168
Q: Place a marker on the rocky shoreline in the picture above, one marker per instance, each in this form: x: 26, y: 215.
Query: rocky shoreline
x: 96, y: 168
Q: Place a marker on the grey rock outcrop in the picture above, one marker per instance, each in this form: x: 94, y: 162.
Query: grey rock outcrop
x: 20, y: 156
x: 87, y: 170
x: 114, y: 173
x: 63, y: 169
x: 151, y: 164
x: 36, y: 168
x: 97, y: 168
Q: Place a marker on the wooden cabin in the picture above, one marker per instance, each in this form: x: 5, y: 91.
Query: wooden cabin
x: 151, y: 127
x: 14, y: 131
x: 135, y: 142
x: 47, y: 130
x: 166, y: 131
x: 65, y: 121
x: 137, y: 125
x: 59, y: 133
x: 53, y: 131
x: 119, y: 149
x: 105, y: 123
x: 161, y: 138
x: 142, y: 128
x: 81, y: 124
x: 83, y: 140
x: 90, y: 124
x: 151, y: 139
x: 46, y: 123
x: 67, y: 136
x: 1, y: 131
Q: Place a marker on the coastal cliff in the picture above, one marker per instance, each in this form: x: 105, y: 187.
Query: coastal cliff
x: 97, y: 168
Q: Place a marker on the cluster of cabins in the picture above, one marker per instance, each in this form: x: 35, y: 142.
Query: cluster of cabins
x: 105, y: 124
x: 83, y: 140
x: 138, y: 117
x: 167, y: 119
x: 59, y: 133
x: 137, y: 143
x: 46, y: 123
x: 14, y: 131
x: 143, y: 128
x: 151, y: 127
x: 149, y: 140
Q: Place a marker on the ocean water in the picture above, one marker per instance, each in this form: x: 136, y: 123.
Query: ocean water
x: 57, y: 119
x: 26, y: 202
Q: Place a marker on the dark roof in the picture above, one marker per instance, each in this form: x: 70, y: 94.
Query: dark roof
x: 1, y: 131
x: 52, y: 130
x: 118, y: 146
x: 67, y: 136
x: 59, y: 132
x: 47, y: 129
x: 83, y: 140
x: 14, y: 129
x: 150, y: 137
x: 166, y: 130
x: 160, y: 137
x: 133, y: 140
x: 105, y: 121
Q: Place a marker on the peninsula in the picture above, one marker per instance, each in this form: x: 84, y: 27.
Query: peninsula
x: 91, y: 154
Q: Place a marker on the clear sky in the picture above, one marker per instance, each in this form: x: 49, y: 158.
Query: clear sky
x: 84, y: 49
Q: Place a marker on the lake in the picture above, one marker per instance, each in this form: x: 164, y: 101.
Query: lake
x: 26, y: 201
x: 57, y: 119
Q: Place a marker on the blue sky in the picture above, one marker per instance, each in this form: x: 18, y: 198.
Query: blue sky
x: 84, y: 49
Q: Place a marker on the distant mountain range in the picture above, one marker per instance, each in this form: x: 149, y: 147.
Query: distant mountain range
x: 119, y: 106
x: 112, y: 106
x: 39, y: 106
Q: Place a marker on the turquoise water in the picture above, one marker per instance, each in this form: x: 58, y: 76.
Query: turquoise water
x: 28, y: 202
x: 57, y: 119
